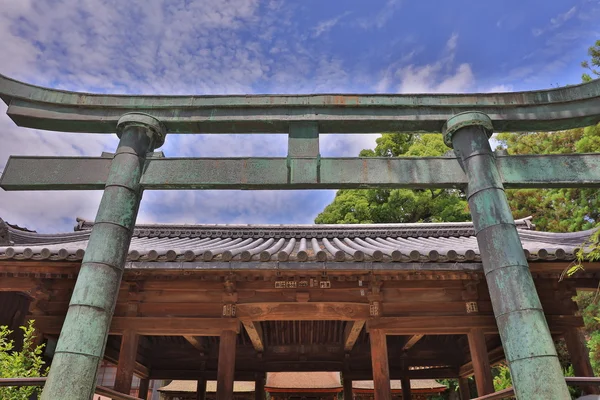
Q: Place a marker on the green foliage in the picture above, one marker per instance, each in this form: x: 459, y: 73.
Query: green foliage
x: 594, y: 53
x: 555, y: 210
x: 574, y: 391
x: 502, y: 379
x: 373, y: 206
x: 589, y: 305
x: 26, y: 363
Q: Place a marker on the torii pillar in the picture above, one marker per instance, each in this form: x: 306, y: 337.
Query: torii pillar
x: 83, y: 336
x: 528, y: 345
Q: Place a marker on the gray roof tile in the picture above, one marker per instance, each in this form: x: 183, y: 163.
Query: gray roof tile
x: 439, y: 242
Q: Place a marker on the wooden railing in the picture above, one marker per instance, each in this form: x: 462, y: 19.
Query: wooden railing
x: 510, y: 392
x: 104, y: 391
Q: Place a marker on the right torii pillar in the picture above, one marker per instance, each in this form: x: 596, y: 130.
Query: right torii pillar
x: 528, y: 345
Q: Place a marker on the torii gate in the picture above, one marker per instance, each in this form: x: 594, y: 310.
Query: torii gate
x: 142, y: 123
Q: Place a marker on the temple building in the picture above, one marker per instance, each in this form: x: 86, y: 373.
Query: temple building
x: 188, y: 390
x: 399, y: 302
x: 302, y: 386
x: 421, y: 389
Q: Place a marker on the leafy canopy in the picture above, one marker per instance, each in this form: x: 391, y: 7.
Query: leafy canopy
x: 555, y: 210
x: 593, y: 64
x: 372, y: 206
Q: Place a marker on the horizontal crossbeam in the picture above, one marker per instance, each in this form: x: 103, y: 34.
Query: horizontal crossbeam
x: 151, y: 326
x: 86, y: 173
x: 56, y: 110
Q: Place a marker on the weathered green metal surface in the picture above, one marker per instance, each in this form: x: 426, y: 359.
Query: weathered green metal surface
x: 83, y: 337
x: 86, y: 173
x: 49, y: 109
x: 528, y: 345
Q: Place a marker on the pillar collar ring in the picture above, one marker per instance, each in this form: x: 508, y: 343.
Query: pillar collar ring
x: 157, y: 129
x: 464, y: 119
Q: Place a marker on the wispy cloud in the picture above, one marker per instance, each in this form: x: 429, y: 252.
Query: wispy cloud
x: 328, y: 24
x: 556, y: 22
x: 382, y: 17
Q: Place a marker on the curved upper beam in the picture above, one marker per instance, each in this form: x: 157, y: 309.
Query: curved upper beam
x: 57, y: 110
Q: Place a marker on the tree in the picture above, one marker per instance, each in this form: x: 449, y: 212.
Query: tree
x: 555, y: 210
x: 594, y: 53
x: 26, y: 363
x: 364, y: 206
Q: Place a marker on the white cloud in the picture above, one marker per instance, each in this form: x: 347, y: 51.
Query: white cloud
x: 159, y: 47
x: 437, y: 77
x: 499, y: 89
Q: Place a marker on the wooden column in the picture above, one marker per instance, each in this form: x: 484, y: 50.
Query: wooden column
x: 259, y: 387
x: 226, y: 366
x: 126, y: 365
x: 381, y: 368
x: 347, y: 389
x: 481, y: 362
x: 463, y: 387
x: 406, y: 388
x: 201, y: 389
x: 143, y: 390
x: 580, y: 357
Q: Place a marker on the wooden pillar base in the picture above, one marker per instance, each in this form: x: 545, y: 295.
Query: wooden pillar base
x: 126, y: 365
x: 201, y: 389
x: 463, y: 387
x: 580, y: 357
x: 226, y: 365
x: 381, y: 368
x: 481, y: 362
x: 347, y: 389
x: 143, y: 390
x: 259, y: 387
x: 406, y: 395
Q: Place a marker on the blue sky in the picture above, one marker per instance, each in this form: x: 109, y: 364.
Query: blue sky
x: 252, y: 46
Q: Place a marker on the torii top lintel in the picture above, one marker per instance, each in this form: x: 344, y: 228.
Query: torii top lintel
x: 545, y: 110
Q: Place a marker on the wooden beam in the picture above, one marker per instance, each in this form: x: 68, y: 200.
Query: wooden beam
x: 126, y: 364
x: 197, y: 342
x: 464, y: 389
x: 143, y: 389
x: 457, y: 324
x: 201, y: 389
x: 351, y: 333
x: 226, y: 365
x: 112, y: 355
x: 580, y: 357
x: 481, y: 362
x: 412, y: 340
x: 259, y: 387
x: 435, y: 324
x: 255, y: 334
x: 16, y: 284
x: 405, y: 385
x: 381, y: 368
x: 348, y: 389
x: 495, y: 356
x: 152, y: 326
x: 358, y: 375
x: 302, y: 311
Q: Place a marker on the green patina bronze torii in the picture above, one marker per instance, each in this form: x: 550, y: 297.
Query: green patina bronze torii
x: 142, y: 122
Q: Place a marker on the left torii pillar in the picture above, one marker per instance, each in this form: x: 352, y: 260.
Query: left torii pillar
x: 83, y: 336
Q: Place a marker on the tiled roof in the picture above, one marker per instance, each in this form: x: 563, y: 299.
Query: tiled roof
x: 211, y: 387
x: 436, y: 242
x: 303, y: 380
x: 396, y: 384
